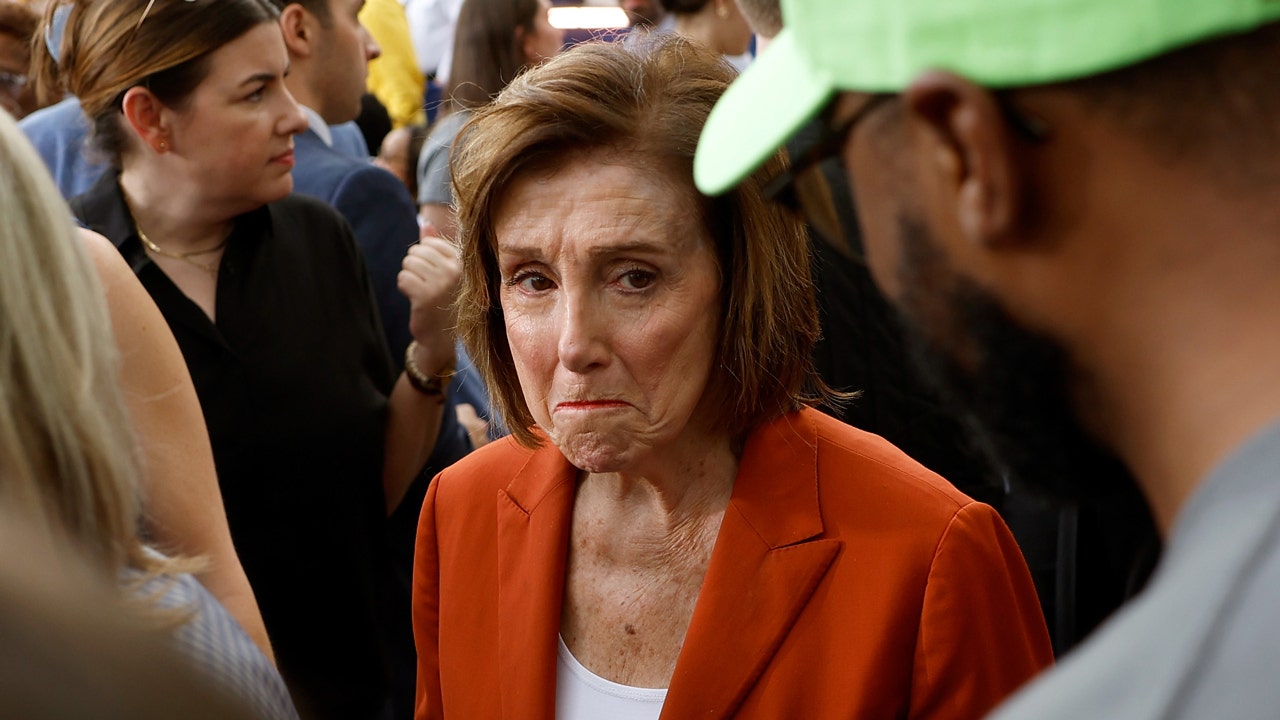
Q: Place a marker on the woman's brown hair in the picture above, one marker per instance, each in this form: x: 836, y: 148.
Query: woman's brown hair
x: 648, y: 101
x: 487, y: 53
x: 109, y: 46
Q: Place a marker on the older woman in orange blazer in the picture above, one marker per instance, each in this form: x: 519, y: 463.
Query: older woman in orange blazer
x: 669, y: 532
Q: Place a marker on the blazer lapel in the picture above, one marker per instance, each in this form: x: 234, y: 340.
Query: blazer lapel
x: 534, y: 514
x: 767, y: 562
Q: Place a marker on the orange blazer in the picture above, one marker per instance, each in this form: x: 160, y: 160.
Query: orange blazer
x: 847, y: 581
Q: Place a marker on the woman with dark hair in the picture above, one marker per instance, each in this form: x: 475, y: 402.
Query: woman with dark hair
x: 494, y: 42
x: 671, y: 528
x: 313, y: 437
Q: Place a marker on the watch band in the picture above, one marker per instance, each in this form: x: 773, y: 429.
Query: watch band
x: 427, y: 384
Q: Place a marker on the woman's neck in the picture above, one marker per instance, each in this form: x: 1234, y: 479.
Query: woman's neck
x: 178, y: 221
x: 675, y: 489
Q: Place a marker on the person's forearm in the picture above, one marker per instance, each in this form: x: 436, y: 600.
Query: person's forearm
x: 414, y: 418
x: 429, y: 278
x: 413, y: 422
x: 185, y: 516
x: 226, y: 581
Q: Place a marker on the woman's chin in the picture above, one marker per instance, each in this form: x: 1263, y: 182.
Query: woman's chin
x: 595, y: 452
x: 278, y: 190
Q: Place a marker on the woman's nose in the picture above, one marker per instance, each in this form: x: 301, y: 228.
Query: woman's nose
x: 293, y: 121
x: 582, y: 342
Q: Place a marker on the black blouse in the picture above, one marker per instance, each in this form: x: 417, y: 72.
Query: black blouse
x: 293, y: 379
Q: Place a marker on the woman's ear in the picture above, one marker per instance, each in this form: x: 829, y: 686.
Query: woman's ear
x: 148, y: 118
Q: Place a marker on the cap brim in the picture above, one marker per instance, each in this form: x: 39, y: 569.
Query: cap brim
x: 759, y: 112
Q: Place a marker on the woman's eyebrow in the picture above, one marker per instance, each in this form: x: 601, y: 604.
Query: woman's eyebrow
x: 636, y: 246
x: 263, y: 76
x: 257, y: 78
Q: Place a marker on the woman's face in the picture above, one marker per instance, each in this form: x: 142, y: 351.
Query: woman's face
x: 545, y: 41
x: 611, y: 294
x: 235, y: 133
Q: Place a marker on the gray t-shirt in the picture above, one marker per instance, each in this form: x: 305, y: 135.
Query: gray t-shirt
x: 435, y: 185
x: 1203, y: 640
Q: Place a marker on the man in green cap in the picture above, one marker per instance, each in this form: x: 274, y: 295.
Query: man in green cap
x: 1076, y: 205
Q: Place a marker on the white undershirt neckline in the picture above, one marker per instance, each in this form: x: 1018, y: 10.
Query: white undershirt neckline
x: 583, y: 695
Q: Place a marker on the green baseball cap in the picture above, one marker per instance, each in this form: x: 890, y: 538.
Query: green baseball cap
x: 882, y: 45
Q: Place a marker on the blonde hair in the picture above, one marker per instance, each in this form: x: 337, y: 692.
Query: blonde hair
x: 68, y: 455
x: 649, y: 100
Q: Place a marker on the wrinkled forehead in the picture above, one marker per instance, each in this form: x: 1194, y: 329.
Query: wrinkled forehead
x: 597, y: 202
x: 622, y: 169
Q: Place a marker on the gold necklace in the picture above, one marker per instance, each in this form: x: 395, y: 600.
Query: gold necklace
x: 186, y: 257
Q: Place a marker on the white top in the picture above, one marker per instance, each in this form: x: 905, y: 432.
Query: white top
x: 583, y: 695
x: 431, y: 28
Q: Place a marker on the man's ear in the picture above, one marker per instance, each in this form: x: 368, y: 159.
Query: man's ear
x: 299, y: 28
x: 147, y: 116
x: 974, y: 153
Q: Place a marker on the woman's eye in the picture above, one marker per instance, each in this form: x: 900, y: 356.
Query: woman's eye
x: 636, y: 280
x: 532, y: 282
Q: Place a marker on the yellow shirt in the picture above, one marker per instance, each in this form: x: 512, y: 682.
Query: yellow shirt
x: 394, y: 78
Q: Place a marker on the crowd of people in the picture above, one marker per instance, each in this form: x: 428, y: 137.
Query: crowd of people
x: 365, y: 359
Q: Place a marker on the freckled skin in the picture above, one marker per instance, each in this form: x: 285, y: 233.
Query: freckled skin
x: 611, y: 300
x: 611, y: 296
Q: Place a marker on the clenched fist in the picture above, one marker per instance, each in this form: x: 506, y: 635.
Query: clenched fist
x: 429, y: 277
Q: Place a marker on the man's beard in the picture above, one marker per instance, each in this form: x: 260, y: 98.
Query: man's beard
x: 1013, y: 392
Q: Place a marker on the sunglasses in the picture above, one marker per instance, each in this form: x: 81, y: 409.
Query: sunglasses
x: 781, y: 188
x: 809, y: 197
